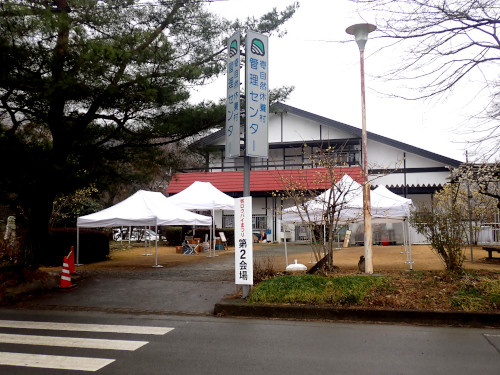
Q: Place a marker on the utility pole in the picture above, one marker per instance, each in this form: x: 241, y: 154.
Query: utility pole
x: 360, y: 32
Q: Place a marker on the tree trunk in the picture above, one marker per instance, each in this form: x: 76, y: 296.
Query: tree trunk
x: 35, y: 227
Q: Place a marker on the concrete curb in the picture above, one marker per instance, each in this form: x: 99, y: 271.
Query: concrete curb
x: 13, y: 294
x: 240, y: 308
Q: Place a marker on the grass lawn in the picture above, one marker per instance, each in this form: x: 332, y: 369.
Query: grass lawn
x: 423, y: 290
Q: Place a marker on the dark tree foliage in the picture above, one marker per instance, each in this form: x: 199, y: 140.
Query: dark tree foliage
x: 90, y: 90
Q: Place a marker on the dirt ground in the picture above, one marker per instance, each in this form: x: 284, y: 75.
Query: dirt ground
x: 433, y: 290
x: 385, y: 258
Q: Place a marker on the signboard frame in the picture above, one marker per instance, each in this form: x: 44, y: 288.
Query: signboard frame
x: 233, y: 110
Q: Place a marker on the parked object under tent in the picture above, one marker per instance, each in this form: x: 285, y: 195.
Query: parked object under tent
x: 203, y: 196
x: 144, y: 208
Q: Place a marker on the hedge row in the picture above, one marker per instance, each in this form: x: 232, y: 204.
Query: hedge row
x: 94, y: 246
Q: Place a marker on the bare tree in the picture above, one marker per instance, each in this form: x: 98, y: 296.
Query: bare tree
x: 444, y: 44
x: 325, y: 214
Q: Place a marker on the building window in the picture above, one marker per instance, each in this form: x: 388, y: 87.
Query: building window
x: 228, y: 221
x: 259, y: 222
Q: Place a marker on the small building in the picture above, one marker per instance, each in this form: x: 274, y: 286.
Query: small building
x: 295, y: 135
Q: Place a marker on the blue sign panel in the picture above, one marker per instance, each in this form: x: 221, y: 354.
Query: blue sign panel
x: 257, y: 95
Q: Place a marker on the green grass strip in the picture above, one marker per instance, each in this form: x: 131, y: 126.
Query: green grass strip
x: 313, y: 289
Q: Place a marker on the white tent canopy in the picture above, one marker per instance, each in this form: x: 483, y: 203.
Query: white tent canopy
x: 347, y: 195
x: 202, y: 196
x: 144, y: 208
x: 385, y: 205
x: 141, y: 209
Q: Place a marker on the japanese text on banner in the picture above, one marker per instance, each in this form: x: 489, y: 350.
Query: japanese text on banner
x: 243, y: 241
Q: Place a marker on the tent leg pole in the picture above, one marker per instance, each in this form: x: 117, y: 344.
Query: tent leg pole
x: 408, y: 257
x: 408, y: 253
x: 405, y: 239
x: 211, y: 239
x: 213, y: 224
x: 286, y: 250
x: 147, y: 242
x: 77, y: 246
x: 156, y: 251
x: 409, y: 247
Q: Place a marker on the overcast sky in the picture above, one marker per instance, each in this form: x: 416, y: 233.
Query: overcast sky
x: 326, y: 76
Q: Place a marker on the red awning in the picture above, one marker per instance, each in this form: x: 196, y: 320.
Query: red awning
x: 265, y: 180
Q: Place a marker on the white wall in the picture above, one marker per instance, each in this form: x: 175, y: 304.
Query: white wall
x: 384, y: 156
x: 381, y: 156
x: 299, y: 129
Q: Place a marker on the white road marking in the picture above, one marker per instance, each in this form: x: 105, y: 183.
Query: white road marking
x: 53, y: 361
x: 71, y: 342
x: 139, y: 330
x: 65, y: 362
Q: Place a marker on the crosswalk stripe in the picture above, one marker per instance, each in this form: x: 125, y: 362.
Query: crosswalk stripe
x: 141, y: 330
x: 53, y: 361
x: 72, y: 342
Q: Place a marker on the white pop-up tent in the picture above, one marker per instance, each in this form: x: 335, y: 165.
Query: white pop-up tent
x: 144, y: 208
x: 390, y: 207
x: 203, y: 196
x: 347, y: 195
x: 386, y: 207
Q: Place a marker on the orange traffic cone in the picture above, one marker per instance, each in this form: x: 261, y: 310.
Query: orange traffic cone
x: 71, y: 261
x: 66, y: 277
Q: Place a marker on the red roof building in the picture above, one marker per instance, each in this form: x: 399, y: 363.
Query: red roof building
x: 263, y: 181
x: 294, y: 137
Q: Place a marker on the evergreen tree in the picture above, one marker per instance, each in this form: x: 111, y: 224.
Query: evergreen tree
x: 88, y: 85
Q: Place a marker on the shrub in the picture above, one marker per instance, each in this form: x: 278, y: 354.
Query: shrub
x: 263, y: 269
x: 442, y: 224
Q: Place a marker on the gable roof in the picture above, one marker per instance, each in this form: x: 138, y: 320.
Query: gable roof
x: 281, y: 107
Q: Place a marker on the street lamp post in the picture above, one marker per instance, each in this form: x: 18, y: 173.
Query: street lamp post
x: 360, y: 32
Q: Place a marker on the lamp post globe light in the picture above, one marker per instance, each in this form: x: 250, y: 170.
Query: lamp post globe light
x: 360, y: 32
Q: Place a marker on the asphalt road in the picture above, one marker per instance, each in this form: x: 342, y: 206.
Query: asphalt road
x: 208, y: 345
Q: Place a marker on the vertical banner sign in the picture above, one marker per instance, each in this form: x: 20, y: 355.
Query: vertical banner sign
x: 233, y: 97
x: 257, y: 95
x: 243, y: 255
